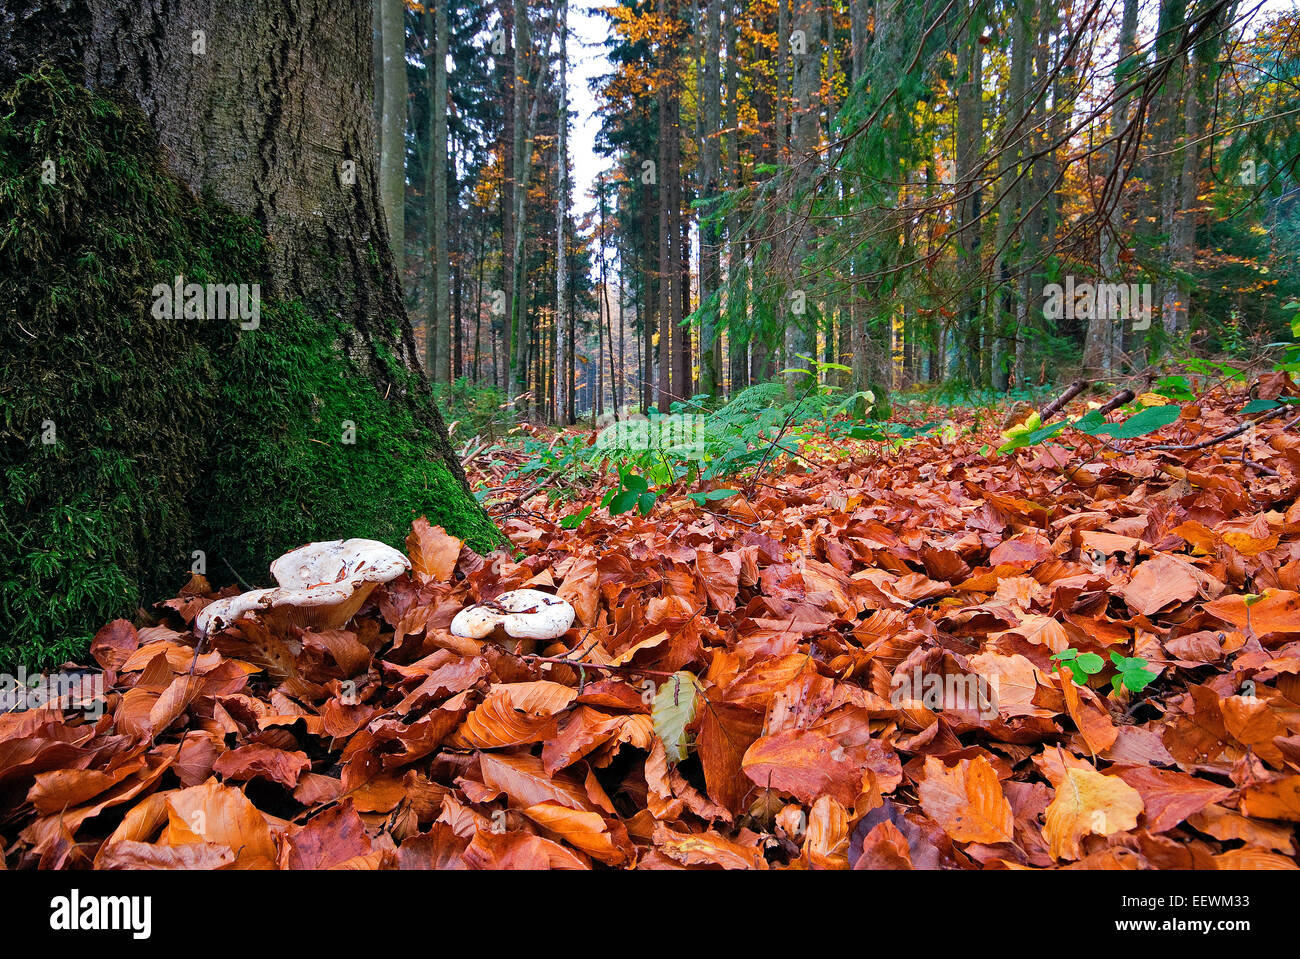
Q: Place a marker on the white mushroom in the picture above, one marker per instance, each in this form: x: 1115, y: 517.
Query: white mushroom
x: 522, y: 614
x: 322, y: 585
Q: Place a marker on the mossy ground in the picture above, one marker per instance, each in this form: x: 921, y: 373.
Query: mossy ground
x: 129, y: 442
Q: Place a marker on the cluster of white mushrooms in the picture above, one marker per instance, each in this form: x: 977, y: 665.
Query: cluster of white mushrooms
x: 322, y: 585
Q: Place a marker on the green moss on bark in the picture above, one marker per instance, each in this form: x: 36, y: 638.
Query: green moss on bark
x: 129, y: 441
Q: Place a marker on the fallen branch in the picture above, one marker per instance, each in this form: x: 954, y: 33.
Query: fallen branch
x: 1235, y: 431
x: 1073, y: 390
x: 1116, y: 401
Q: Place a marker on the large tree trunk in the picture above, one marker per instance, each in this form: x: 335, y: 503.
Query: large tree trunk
x: 274, y: 119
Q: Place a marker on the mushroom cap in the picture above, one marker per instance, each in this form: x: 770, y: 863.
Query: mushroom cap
x: 522, y: 613
x: 356, y: 560
x: 329, y: 580
x: 222, y: 612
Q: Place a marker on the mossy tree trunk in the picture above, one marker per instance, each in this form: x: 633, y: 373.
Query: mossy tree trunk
x: 267, y: 107
x: 140, y: 444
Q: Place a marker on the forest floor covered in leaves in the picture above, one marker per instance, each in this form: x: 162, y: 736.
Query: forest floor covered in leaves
x: 778, y: 679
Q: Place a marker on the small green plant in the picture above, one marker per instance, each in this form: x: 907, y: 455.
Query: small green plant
x: 632, y: 492
x: 1080, y: 665
x: 1131, y: 671
x: 1132, y: 674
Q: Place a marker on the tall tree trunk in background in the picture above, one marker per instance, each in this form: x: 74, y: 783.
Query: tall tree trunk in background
x: 650, y: 284
x: 439, y: 325
x: 619, y: 384
x: 680, y: 251
x: 529, y: 81
x: 1180, y: 219
x: 507, y: 150
x: 377, y: 101
x: 392, y: 161
x: 859, y: 11
x: 481, y: 259
x: 683, y: 356
x: 737, y: 345
x: 710, y: 182
x: 858, y: 343
x: 1103, y: 346
x: 1011, y: 187
x: 805, y: 50
x: 667, y: 260
x: 516, y: 344
x: 970, y: 129
x: 1032, y: 218
x: 570, y: 361
x: 782, y: 80
x: 561, y: 171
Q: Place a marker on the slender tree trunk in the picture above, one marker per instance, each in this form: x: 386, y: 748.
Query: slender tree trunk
x: 509, y: 71
x: 710, y: 232
x: 1104, y: 342
x: 801, y: 329
x: 392, y: 162
x: 561, y: 169
x: 439, y: 321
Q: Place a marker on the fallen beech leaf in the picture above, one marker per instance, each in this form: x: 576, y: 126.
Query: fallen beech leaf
x: 1277, y: 612
x: 1089, y: 714
x: 223, y: 816
x: 1158, y: 582
x: 707, y: 849
x: 587, y: 831
x: 497, y: 723
x: 114, y: 644
x: 518, y: 850
x: 581, y: 589
x: 432, y: 551
x: 966, y: 800
x: 726, y: 732
x: 807, y: 765
x: 523, y: 778
x: 326, y: 841
x: 1088, y: 803
x: 258, y: 761
x: 1169, y: 797
x: 826, y: 838
x: 129, y: 854
x: 1273, y: 800
x: 884, y: 848
x: 1252, y: 857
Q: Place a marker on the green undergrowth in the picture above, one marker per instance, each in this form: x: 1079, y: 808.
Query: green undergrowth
x: 135, y: 448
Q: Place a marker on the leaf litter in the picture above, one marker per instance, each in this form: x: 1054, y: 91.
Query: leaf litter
x: 779, y: 678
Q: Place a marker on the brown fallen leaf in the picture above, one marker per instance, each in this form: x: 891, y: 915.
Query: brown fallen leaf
x: 966, y: 800
x: 1088, y: 803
